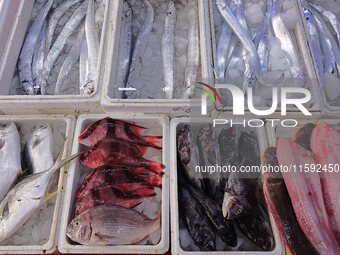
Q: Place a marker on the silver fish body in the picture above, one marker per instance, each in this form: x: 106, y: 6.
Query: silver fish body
x: 168, y: 49
x: 111, y: 225
x: 39, y: 53
x: 39, y: 149
x: 21, y: 202
x: 193, y: 55
x: 10, y: 157
x: 82, y: 65
x: 125, y: 49
x: 27, y: 51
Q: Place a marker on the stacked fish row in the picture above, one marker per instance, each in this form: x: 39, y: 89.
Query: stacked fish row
x: 324, y: 30
x: 131, y: 51
x: 221, y: 203
x: 21, y: 195
x: 120, y: 180
x: 43, y: 47
x: 244, y: 49
x: 305, y: 205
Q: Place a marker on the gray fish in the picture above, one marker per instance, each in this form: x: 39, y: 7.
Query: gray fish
x: 39, y: 149
x: 189, y: 155
x: 27, y: 51
x: 111, y: 225
x: 39, y: 53
x: 10, y: 157
x: 195, y: 220
x: 21, y: 202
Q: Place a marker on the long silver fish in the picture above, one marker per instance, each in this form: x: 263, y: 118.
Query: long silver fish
x: 168, y: 49
x: 92, y: 46
x: 141, y: 43
x: 328, y: 44
x: 125, y: 49
x: 69, y: 62
x: 27, y: 51
x: 82, y: 65
x: 20, y: 203
x: 10, y: 157
x: 39, y: 149
x: 54, y: 18
x: 282, y: 33
x: 39, y: 53
x: 331, y: 17
x: 193, y: 56
x: 58, y: 46
x: 111, y: 225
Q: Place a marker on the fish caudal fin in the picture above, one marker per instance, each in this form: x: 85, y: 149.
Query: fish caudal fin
x: 145, y: 192
x: 154, y: 141
x: 155, y: 166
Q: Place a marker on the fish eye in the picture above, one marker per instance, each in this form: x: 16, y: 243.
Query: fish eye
x: 77, y: 223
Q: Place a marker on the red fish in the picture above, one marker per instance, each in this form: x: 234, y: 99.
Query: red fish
x: 125, y: 178
x: 109, y: 195
x: 108, y: 152
x: 306, y: 195
x: 118, y: 130
x: 325, y: 143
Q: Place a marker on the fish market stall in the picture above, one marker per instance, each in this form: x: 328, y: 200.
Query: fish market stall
x: 261, y: 45
x: 322, y: 26
x: 52, y: 62
x: 30, y: 216
x: 122, y: 172
x: 159, y: 49
x: 199, y: 202
x: 309, y: 189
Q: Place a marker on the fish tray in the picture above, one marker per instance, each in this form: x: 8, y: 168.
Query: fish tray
x: 327, y: 109
x: 175, y: 229
x: 173, y: 107
x: 301, y: 42
x: 63, y: 127
x: 158, y: 125
x: 43, y: 104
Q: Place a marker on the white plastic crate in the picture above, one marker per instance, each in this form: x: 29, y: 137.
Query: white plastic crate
x: 62, y: 127
x: 174, y: 107
x: 157, y: 125
x: 175, y: 237
x: 47, y: 104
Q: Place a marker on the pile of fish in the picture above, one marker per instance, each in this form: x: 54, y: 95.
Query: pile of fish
x: 305, y: 205
x: 120, y: 180
x: 324, y: 30
x: 132, y: 49
x: 22, y: 192
x: 221, y: 203
x: 244, y: 50
x: 43, y: 47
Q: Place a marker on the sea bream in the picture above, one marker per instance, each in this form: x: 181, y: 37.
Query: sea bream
x: 111, y: 225
x: 21, y: 202
x: 39, y: 149
x: 305, y: 192
x: 112, y: 128
x: 10, y: 157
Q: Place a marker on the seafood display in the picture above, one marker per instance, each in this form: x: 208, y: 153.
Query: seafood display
x: 304, y: 204
x: 60, y: 52
x: 323, y: 27
x: 256, y: 48
x: 112, y: 200
x: 220, y: 211
x: 29, y: 181
x: 160, y: 38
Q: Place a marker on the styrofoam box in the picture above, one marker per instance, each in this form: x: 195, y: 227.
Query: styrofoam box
x: 175, y: 107
x: 43, y: 104
x: 62, y: 127
x: 175, y: 237
x: 157, y: 125
x: 328, y: 110
x: 305, y: 56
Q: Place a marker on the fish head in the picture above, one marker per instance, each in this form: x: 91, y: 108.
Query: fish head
x: 80, y: 229
x: 171, y: 8
x: 235, y: 207
x: 93, y: 133
x: 42, y: 133
x: 7, y: 129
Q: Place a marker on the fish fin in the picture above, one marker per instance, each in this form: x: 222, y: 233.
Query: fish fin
x: 49, y: 197
x: 105, y: 238
x: 155, y: 166
x: 154, y: 141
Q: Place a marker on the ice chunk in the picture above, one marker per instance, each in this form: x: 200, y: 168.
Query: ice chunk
x: 254, y: 14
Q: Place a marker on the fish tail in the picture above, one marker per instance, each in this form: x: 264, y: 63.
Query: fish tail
x: 155, y: 166
x: 155, y: 180
x: 141, y: 171
x: 145, y: 192
x: 154, y: 141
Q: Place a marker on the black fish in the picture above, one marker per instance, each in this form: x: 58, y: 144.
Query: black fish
x: 302, y: 135
x: 256, y: 226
